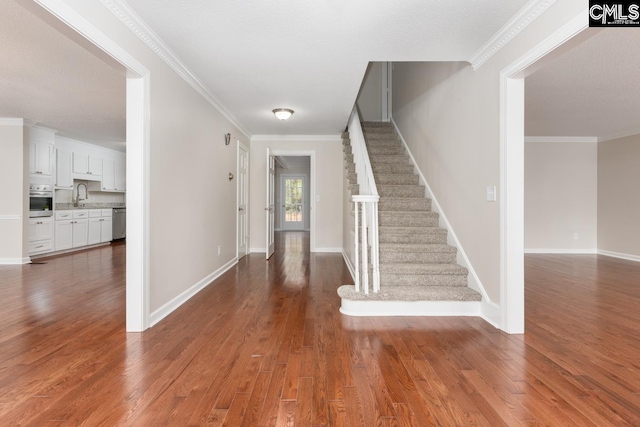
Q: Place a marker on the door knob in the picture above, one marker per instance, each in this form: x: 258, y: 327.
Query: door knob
x: 240, y: 209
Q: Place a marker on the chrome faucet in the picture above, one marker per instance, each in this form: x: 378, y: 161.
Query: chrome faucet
x: 78, y: 198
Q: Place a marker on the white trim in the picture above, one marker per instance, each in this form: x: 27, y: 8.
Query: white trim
x: 619, y: 135
x: 519, y: 22
x: 35, y: 125
x: 137, y: 26
x: 462, y: 258
x: 562, y: 139
x: 620, y: 255
x: 257, y: 250
x: 490, y: 312
x: 87, y: 144
x: 176, y: 302
x: 296, y: 138
x: 409, y: 308
x: 14, y: 261
x: 10, y: 217
x: 559, y: 251
x: 71, y: 250
x: 9, y: 121
x: 312, y: 189
x: 329, y: 250
x: 240, y: 145
x: 349, y: 265
x: 512, y: 172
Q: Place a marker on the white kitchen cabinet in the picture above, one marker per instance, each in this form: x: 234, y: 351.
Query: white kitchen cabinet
x: 40, y: 235
x: 95, y: 165
x: 63, y: 235
x: 106, y: 231
x: 120, y: 175
x: 95, y: 230
x: 40, y: 158
x: 86, y: 164
x: 64, y: 178
x: 80, y: 232
x: 108, y: 174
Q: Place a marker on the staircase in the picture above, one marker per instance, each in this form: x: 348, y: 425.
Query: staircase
x: 416, y: 263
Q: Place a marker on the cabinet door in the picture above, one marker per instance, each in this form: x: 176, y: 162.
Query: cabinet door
x: 33, y: 152
x: 44, y: 159
x: 95, y: 165
x: 95, y: 228
x: 63, y: 169
x: 44, y: 229
x: 120, y: 177
x: 108, y: 174
x: 80, y: 232
x: 32, y: 230
x: 80, y: 163
x: 107, y: 229
x: 64, y: 235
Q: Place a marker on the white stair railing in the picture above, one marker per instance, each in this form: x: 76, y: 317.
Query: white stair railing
x: 366, y: 211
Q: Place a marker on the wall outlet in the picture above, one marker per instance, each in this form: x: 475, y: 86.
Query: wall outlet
x: 576, y: 236
x: 219, y: 250
x: 491, y: 194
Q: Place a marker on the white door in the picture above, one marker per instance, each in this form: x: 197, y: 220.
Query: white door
x: 292, y: 193
x: 243, y: 167
x: 94, y: 231
x: 270, y: 208
x: 106, y: 231
x: 80, y: 233
x: 64, y: 235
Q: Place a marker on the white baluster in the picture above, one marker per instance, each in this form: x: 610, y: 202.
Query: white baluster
x: 365, y: 247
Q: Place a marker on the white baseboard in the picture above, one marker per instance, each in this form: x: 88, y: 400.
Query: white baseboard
x: 349, y: 265
x: 329, y: 250
x: 258, y: 250
x: 462, y: 258
x: 410, y: 308
x: 176, y: 302
x: 560, y: 251
x: 490, y: 312
x: 14, y: 261
x: 620, y: 255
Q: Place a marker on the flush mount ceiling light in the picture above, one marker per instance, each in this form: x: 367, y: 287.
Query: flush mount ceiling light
x: 283, y: 113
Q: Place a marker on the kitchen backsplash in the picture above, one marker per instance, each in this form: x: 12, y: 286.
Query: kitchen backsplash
x: 68, y: 196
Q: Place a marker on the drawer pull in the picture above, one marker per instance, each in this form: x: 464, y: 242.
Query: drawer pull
x: 39, y: 246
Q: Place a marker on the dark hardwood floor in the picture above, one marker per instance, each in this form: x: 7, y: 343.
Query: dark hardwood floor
x: 266, y: 345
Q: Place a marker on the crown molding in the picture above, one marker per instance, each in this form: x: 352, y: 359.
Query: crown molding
x: 577, y: 139
x: 296, y: 138
x: 137, y: 25
x: 35, y: 125
x: 11, y: 121
x: 519, y: 22
x: 619, y: 135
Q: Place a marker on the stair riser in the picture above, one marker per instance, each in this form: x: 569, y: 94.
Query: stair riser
x: 396, y: 179
x: 407, y: 221
x: 348, y: 158
x: 413, y: 238
x: 351, y: 168
x: 409, y: 191
x: 375, y: 151
x: 423, y: 280
x: 383, y: 143
x: 345, y: 135
x: 391, y: 168
x: 420, y: 257
x: 377, y: 125
x: 346, y: 149
x: 354, y: 189
x: 387, y: 159
x: 405, y: 205
x: 381, y: 136
x: 431, y: 231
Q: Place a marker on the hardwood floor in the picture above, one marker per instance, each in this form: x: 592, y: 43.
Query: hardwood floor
x: 265, y: 345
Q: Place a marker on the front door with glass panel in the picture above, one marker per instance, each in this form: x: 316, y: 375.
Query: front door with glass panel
x: 293, y: 202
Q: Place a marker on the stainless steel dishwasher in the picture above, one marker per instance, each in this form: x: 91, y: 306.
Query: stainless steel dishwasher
x: 119, y: 223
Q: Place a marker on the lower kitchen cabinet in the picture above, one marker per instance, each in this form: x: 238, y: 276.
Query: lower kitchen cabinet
x: 72, y: 234
x: 40, y: 235
x: 80, y: 232
x: 85, y: 227
x: 100, y: 230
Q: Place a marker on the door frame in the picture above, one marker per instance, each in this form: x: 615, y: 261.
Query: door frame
x: 512, y: 97
x: 246, y: 217
x: 305, y: 198
x: 312, y: 188
x: 138, y: 116
x: 387, y: 95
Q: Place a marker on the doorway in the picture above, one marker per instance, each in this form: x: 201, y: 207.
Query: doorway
x: 243, y: 200
x: 291, y: 200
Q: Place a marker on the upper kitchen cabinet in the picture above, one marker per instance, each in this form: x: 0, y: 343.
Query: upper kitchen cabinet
x: 40, y: 151
x: 64, y: 178
x: 87, y: 164
x: 120, y: 178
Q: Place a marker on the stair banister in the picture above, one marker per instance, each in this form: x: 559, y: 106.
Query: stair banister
x: 366, y: 211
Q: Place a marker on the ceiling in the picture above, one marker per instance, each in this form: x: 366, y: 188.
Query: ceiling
x: 49, y: 79
x: 592, y: 90
x: 311, y: 56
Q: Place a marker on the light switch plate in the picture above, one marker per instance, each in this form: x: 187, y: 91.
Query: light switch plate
x: 491, y: 194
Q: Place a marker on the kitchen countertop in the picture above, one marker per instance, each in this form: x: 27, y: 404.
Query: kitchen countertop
x: 70, y: 207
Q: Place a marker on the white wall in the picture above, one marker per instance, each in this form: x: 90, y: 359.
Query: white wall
x: 370, y: 96
x: 560, y: 196
x: 619, y: 196
x: 450, y: 117
x: 193, y: 203
x: 328, y: 209
x: 14, y: 201
x: 297, y: 166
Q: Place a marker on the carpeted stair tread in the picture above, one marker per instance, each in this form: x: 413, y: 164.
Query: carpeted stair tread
x: 416, y: 248
x: 413, y: 238
x: 397, y: 179
x: 417, y: 269
x: 404, y: 203
x: 384, y: 142
x: 411, y: 293
x: 391, y: 168
x: 385, y: 150
x: 411, y: 230
x: 389, y: 158
x: 408, y: 191
x: 377, y: 125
